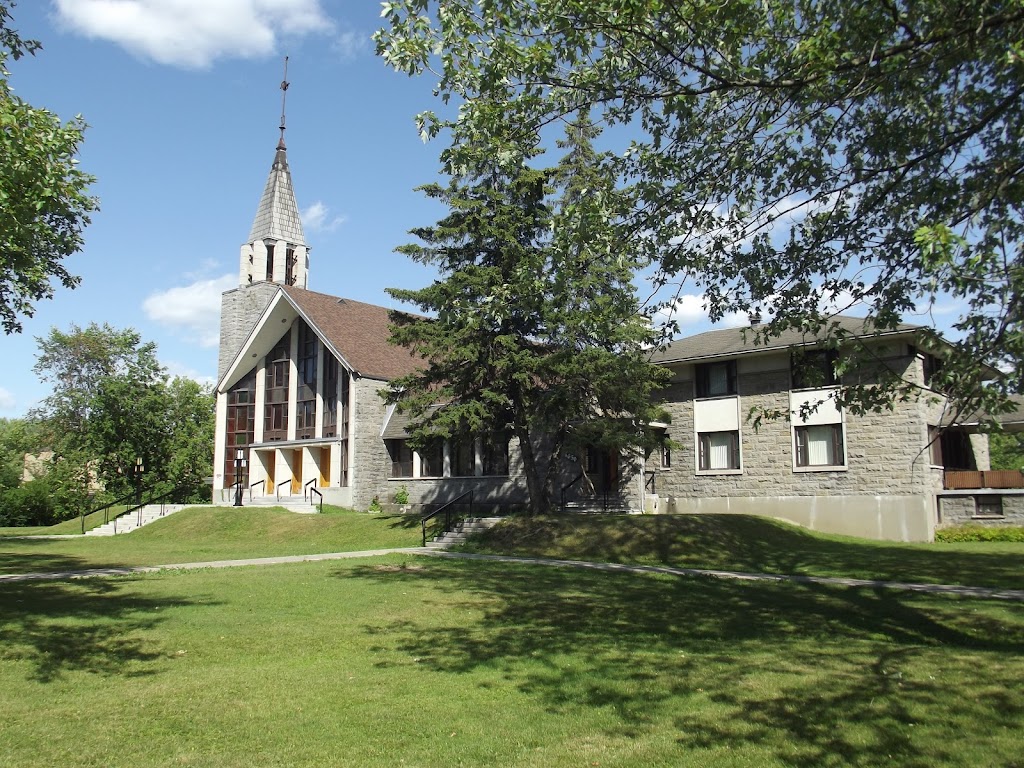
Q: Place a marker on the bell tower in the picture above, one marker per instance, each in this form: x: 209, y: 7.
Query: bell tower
x: 275, y: 254
x: 276, y: 250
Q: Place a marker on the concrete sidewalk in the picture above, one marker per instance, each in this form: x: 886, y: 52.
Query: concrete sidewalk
x: 941, y: 589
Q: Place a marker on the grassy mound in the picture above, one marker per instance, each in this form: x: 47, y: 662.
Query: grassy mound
x: 750, y: 544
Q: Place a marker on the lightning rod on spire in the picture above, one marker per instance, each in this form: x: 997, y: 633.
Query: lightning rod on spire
x: 284, y: 95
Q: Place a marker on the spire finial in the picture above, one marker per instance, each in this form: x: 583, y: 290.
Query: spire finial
x: 284, y: 95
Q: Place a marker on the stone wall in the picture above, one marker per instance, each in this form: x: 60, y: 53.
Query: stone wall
x: 239, y: 311
x: 884, y: 452
x: 962, y: 509
x: 369, y: 461
x: 885, y: 490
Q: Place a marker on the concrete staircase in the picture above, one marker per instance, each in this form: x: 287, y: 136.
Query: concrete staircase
x: 291, y: 503
x: 461, y: 531
x: 134, y: 520
x: 597, y: 504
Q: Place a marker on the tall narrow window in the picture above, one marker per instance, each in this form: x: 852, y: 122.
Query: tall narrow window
x: 305, y: 408
x: 330, y: 394
x: 432, y: 460
x: 275, y: 411
x: 463, y: 463
x: 240, y: 429
x: 289, y: 266
x: 401, y: 458
x: 342, y: 430
x: 270, y: 263
x: 494, y: 454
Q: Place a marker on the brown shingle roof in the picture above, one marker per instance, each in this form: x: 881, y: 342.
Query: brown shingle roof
x: 358, y: 331
x: 733, y: 341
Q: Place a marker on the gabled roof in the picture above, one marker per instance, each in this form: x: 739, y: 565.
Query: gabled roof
x: 357, y: 333
x: 730, y: 342
x: 277, y: 216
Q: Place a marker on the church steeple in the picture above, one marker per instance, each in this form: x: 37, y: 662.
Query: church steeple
x: 276, y: 251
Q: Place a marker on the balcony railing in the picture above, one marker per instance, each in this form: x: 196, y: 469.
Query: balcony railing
x: 958, y: 479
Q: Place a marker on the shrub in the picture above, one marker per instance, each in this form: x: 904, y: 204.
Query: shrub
x: 402, y: 495
x: 30, y: 503
x: 959, y: 533
x: 375, y: 504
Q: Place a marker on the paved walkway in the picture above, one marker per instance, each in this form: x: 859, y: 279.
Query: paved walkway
x: 942, y: 589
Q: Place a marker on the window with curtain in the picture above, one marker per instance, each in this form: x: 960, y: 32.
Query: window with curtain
x: 716, y: 379
x: 718, y: 450
x: 820, y: 445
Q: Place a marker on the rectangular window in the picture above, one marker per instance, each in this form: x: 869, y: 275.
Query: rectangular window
x: 240, y: 427
x: 820, y: 445
x: 719, y: 450
x: 813, y: 369
x: 275, y: 425
x: 401, y: 458
x: 432, y: 460
x: 463, y: 463
x: 932, y: 368
x: 988, y: 506
x: 666, y: 457
x: 495, y: 455
x: 716, y: 379
x: 935, y: 446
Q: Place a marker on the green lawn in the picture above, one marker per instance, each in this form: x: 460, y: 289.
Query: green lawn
x: 68, y: 527
x: 214, y: 533
x: 412, y: 661
x: 751, y: 544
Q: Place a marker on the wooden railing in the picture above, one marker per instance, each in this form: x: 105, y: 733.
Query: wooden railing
x: 960, y: 479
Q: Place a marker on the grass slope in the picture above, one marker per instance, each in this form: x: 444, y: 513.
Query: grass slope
x: 750, y: 544
x: 214, y: 533
x: 429, y: 663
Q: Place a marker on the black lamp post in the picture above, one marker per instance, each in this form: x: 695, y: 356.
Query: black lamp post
x: 137, y: 471
x: 239, y: 464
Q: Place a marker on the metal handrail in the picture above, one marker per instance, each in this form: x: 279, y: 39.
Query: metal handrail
x: 649, y: 483
x: 311, y: 492
x: 305, y: 486
x: 447, y: 514
x: 258, y: 482
x: 105, y: 508
x: 145, y: 503
x: 567, y: 486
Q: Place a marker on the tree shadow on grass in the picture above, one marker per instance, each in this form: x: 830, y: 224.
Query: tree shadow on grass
x: 817, y: 676
x: 745, y: 543
x: 96, y: 625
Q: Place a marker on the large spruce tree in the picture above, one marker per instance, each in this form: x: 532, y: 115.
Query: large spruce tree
x: 532, y: 327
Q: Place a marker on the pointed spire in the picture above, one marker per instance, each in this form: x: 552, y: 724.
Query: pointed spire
x: 276, y: 250
x: 277, y: 216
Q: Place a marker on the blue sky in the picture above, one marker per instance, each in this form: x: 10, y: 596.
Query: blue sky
x: 183, y: 105
x: 183, y: 111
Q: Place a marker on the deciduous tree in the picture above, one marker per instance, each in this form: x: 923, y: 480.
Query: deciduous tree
x: 789, y: 159
x: 112, y: 404
x: 44, y: 200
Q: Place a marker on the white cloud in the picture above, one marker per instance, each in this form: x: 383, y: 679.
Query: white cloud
x: 690, y: 309
x: 317, y: 217
x: 350, y: 44
x: 181, y: 371
x: 7, y: 400
x: 194, y: 308
x: 193, y: 33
